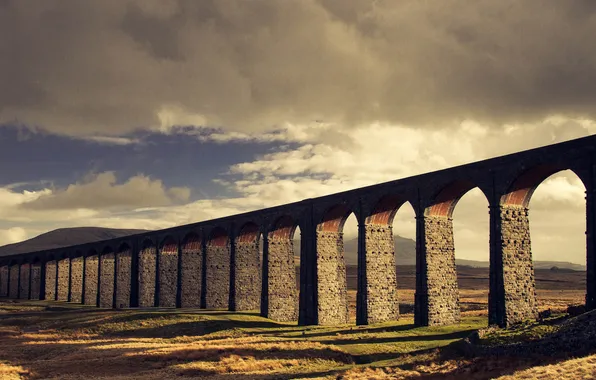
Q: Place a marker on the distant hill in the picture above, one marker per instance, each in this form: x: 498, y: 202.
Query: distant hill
x: 65, y: 237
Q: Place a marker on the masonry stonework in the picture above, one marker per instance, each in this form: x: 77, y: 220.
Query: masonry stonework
x: 106, y: 286
x: 441, y: 290
x: 4, y: 281
x: 123, y: 278
x: 50, y: 284
x: 24, y: 282
x: 282, y: 293
x: 192, y: 264
x: 218, y: 276
x: 91, y: 279
x: 147, y: 267
x: 35, y: 281
x: 76, y: 280
x: 518, y: 269
x: 14, y: 281
x: 331, y: 279
x: 247, y: 278
x: 381, y: 300
x: 168, y: 274
x: 63, y: 278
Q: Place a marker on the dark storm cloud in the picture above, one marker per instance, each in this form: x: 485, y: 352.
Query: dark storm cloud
x: 110, y: 67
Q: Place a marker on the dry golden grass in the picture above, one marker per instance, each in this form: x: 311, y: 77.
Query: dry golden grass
x: 576, y: 369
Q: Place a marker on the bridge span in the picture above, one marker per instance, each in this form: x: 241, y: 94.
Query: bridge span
x: 217, y: 264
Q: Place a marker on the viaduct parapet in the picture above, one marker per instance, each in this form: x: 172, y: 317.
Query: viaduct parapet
x: 217, y: 264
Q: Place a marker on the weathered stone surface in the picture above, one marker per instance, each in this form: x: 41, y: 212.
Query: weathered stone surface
x: 247, y: 278
x: 35, y: 281
x: 282, y: 293
x: 331, y: 274
x: 63, y: 278
x: 76, y: 280
x: 192, y: 266
x: 441, y: 290
x: 106, y: 285
x: 518, y: 268
x: 381, y: 301
x: 91, y: 279
x: 123, y: 278
x: 218, y: 276
x: 4, y: 281
x: 50, y: 280
x: 168, y: 274
x: 24, y: 282
x: 147, y: 264
x: 14, y: 282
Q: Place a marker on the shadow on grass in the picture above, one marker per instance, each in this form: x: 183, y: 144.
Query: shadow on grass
x: 400, y: 339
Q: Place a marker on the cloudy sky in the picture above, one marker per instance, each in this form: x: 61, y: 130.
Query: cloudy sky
x: 154, y: 113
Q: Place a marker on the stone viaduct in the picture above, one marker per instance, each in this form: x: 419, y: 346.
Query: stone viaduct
x: 216, y: 264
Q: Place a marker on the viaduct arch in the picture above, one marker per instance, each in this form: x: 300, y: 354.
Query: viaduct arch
x: 216, y: 263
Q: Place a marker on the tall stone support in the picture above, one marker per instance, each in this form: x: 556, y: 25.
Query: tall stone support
x: 513, y: 292
x: 332, y: 300
x: 50, y: 285
x: 14, y: 282
x: 24, y: 281
x: 91, y: 279
x: 282, y: 296
x: 35, y: 281
x: 63, y: 279
x: 168, y: 274
x: 437, y: 293
x: 247, y: 274
x: 4, y: 281
x: 147, y: 269
x: 106, y: 280
x: 191, y: 273
x: 76, y: 280
x: 123, y: 278
x: 591, y: 240
x: 377, y: 299
x: 218, y: 275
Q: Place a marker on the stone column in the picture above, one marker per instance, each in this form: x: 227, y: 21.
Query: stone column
x: 247, y: 273
x: 282, y: 295
x: 50, y: 294
x: 191, y: 272
x: 4, y: 281
x: 437, y: 293
x: 123, y: 278
x: 91, y: 279
x: 76, y: 280
x: 168, y: 274
x: 591, y: 240
x: 147, y: 272
x: 106, y: 280
x: 218, y: 273
x: 377, y: 299
x: 14, y: 281
x: 36, y: 281
x: 332, y: 300
x: 63, y: 279
x: 513, y: 298
x: 24, y: 278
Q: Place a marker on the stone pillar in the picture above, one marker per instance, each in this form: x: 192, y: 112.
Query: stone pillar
x: 76, y: 280
x: 377, y: 299
x: 14, y: 282
x: 591, y: 241
x: 91, y: 279
x: 437, y: 293
x: 4, y: 281
x: 247, y: 273
x: 513, y: 298
x: 147, y: 266
x: 280, y: 279
x: 218, y: 273
x: 123, y: 278
x: 191, y: 272
x: 35, y: 281
x: 168, y: 274
x: 24, y: 281
x: 50, y: 294
x: 106, y: 280
x: 332, y: 286
x: 63, y: 279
